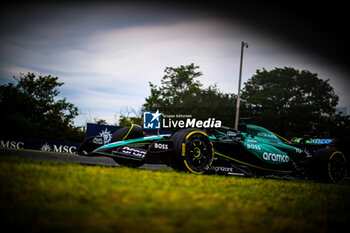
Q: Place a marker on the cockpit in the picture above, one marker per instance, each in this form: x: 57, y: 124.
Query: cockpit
x: 244, y: 131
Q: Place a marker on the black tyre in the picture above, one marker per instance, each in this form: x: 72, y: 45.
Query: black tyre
x: 328, y: 165
x: 128, y: 132
x: 192, y: 150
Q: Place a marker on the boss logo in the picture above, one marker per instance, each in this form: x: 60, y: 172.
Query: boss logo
x: 161, y: 146
x: 253, y: 147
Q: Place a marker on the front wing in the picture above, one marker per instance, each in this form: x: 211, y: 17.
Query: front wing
x: 149, y: 149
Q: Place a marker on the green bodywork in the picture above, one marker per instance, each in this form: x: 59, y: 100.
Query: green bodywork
x: 144, y: 140
x: 257, y: 140
x: 266, y: 146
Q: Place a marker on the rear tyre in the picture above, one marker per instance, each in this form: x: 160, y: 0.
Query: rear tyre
x: 192, y: 150
x: 328, y: 165
x: 128, y: 132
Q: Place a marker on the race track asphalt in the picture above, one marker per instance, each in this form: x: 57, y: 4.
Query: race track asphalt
x: 84, y: 160
x: 69, y: 158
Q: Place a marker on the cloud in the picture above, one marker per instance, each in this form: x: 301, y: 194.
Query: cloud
x: 107, y: 54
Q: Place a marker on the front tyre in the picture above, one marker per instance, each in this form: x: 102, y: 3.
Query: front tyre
x: 125, y: 133
x: 329, y: 165
x: 193, y: 151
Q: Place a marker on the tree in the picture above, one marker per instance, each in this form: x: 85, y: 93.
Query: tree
x: 127, y: 121
x: 289, y: 101
x: 100, y: 121
x: 129, y: 115
x: 181, y: 93
x: 31, y: 108
x: 178, y: 86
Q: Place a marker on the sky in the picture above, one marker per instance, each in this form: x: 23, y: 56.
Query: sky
x: 107, y: 53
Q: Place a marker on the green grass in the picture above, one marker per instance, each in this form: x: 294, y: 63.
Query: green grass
x: 58, y: 197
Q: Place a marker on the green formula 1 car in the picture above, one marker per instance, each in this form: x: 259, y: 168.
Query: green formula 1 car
x: 249, y: 151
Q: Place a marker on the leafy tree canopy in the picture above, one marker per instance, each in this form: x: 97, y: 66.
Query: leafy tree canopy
x: 181, y: 93
x: 31, y: 108
x: 100, y: 121
x: 290, y: 101
x: 129, y: 116
x: 127, y: 121
x: 285, y: 100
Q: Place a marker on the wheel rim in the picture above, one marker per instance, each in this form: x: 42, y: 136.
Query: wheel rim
x: 198, y: 154
x: 337, y: 167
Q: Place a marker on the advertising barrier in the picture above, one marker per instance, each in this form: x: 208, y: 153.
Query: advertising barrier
x: 38, y: 144
x: 105, y: 131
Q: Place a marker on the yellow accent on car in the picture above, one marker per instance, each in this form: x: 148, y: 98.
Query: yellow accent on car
x: 212, y: 154
x: 329, y: 165
x: 132, y: 126
x: 197, y: 131
x: 188, y: 167
x: 183, y: 152
x: 199, y: 152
